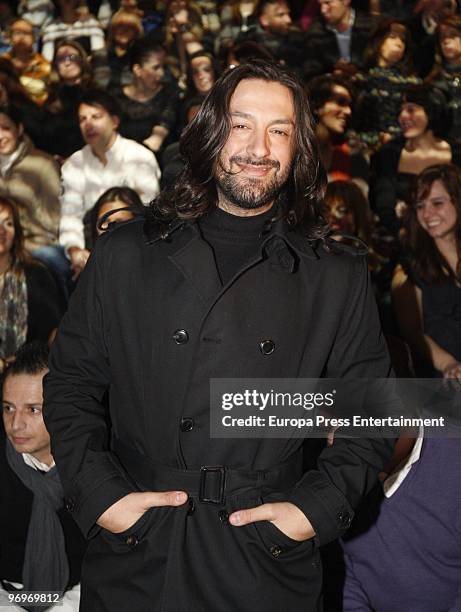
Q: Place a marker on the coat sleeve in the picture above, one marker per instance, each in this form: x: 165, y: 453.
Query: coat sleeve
x: 75, y: 410
x: 349, y: 468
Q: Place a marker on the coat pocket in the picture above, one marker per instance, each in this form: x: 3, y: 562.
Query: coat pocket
x: 134, y: 534
x: 279, y: 545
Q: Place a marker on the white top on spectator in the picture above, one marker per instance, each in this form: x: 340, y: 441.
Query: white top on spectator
x: 85, y: 178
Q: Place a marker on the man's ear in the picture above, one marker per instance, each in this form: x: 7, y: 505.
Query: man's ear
x: 21, y: 129
x: 263, y: 21
x: 116, y: 120
x: 136, y: 69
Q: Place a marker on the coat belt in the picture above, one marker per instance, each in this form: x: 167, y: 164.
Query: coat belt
x: 211, y: 483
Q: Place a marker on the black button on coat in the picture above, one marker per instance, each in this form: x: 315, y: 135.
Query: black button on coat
x: 317, y: 310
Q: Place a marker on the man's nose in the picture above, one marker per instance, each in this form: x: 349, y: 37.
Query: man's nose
x: 287, y: 19
x: 259, y: 143
x: 18, y: 423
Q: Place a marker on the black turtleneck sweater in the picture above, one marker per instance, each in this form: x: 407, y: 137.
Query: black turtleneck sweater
x: 234, y: 240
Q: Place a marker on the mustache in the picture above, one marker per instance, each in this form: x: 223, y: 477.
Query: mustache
x: 247, y: 161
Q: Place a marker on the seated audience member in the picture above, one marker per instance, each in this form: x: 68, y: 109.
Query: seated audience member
x: 13, y: 93
x: 108, y: 159
x: 349, y: 215
x: 32, y: 179
x: 237, y: 17
x: 73, y: 23
x: 403, y: 550
x: 389, y: 72
x: 396, y: 165
x: 37, y: 12
x: 71, y: 76
x: 338, y: 36
x: 428, y: 14
x: 30, y: 303
x: 41, y: 547
x: 331, y: 104
x: 149, y: 105
x: 446, y: 73
x: 276, y: 32
x: 203, y: 71
x: 183, y: 35
x: 116, y: 205
x: 124, y: 28
x: 32, y: 68
x: 426, y: 290
x: 8, y: 14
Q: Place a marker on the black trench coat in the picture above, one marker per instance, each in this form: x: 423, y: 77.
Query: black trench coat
x: 151, y: 323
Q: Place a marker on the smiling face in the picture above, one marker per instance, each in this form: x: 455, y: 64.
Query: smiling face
x: 413, y: 120
x: 202, y: 74
x: 69, y: 64
x: 97, y: 126
x: 22, y: 415
x: 256, y: 160
x: 436, y: 213
x: 10, y: 135
x: 335, y: 113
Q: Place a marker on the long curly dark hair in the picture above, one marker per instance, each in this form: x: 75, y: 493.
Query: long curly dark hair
x: 203, y: 139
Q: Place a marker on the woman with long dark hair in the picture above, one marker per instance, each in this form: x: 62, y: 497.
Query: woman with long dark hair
x: 426, y: 291
x: 30, y: 305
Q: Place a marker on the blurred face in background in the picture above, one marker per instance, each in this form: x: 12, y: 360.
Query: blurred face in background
x: 151, y: 71
x: 7, y: 231
x: 392, y: 49
x: 69, y: 64
x: 334, y: 11
x: 98, y: 127
x: 450, y: 44
x: 202, y: 74
x: 340, y: 216
x: 124, y: 34
x: 413, y: 120
x: 276, y: 17
x: 10, y: 135
x: 22, y: 36
x: 335, y: 113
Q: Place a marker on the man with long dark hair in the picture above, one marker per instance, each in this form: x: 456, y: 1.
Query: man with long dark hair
x: 229, y: 276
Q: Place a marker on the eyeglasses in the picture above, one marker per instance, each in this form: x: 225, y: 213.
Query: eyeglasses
x: 72, y: 57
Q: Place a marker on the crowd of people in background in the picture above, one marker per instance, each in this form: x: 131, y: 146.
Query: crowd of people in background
x: 94, y: 95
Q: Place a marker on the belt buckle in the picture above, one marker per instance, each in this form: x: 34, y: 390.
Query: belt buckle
x: 212, y: 469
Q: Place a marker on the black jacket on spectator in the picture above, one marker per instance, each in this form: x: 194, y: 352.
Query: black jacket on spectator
x: 322, y: 50
x: 44, y: 303
x: 424, y: 45
x: 15, y: 511
x: 286, y: 48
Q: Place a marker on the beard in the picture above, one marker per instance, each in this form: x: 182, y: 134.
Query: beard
x: 250, y: 193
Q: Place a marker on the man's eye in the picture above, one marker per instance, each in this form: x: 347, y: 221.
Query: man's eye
x: 35, y: 410
x: 279, y: 132
x: 239, y: 126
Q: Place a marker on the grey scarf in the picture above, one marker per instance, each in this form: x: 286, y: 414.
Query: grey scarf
x: 46, y: 567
